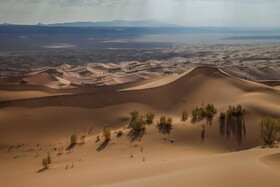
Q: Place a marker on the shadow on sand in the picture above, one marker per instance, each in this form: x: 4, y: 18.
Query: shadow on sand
x: 71, y: 146
x: 103, y: 145
x: 42, y: 170
x: 164, y: 128
x: 233, y: 126
x: 135, y: 135
x: 202, y: 134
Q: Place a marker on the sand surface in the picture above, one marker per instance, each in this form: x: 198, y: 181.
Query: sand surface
x: 38, y: 120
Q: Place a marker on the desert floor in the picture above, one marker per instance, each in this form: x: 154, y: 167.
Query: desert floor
x: 38, y: 116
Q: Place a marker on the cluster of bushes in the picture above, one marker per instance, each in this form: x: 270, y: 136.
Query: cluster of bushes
x: 137, y: 121
x: 201, y: 113
x: 235, y: 111
x: 269, y: 130
x: 232, y: 122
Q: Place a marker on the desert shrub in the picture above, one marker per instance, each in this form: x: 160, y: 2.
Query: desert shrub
x: 195, y: 114
x: 210, y: 111
x: 82, y: 140
x: 185, y: 115
x: 169, y: 121
x: 134, y: 115
x: 73, y: 139
x: 120, y: 133
x: 138, y: 124
x: 235, y: 111
x: 164, y: 120
x: 107, y: 133
x: 269, y: 128
x: 150, y: 117
x: 45, y: 163
x: 165, y: 124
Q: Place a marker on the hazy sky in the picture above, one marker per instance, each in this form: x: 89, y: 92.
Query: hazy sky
x: 251, y: 13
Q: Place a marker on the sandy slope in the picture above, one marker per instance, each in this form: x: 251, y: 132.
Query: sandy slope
x: 44, y: 124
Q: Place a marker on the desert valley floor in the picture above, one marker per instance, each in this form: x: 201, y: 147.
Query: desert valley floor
x: 40, y: 111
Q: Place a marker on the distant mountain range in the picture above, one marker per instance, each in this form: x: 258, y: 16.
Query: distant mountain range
x: 115, y: 23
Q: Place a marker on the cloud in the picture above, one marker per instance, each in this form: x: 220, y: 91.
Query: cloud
x: 182, y: 12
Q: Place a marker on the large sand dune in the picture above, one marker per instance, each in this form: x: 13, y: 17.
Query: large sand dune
x: 33, y: 125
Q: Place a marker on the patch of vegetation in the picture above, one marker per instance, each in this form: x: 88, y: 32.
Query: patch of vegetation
x: 185, y: 116
x: 269, y: 130
x: 137, y: 125
x: 137, y: 121
x: 201, y: 113
x: 45, y: 162
x: 150, y: 117
x: 107, y: 133
x: 165, y: 124
x: 232, y: 122
x: 73, y: 142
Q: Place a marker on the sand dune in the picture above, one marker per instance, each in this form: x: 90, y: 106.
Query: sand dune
x: 42, y: 123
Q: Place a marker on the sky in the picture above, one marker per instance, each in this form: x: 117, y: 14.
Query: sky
x: 228, y: 13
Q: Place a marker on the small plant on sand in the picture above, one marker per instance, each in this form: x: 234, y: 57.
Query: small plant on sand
x: 269, y: 129
x: 137, y: 122
x: 150, y: 117
x: 185, y: 116
x: 73, y: 139
x: 82, y: 140
x: 119, y: 134
x: 107, y: 133
x: 134, y: 115
x: 166, y: 121
x: 73, y: 142
x: 45, y: 163
x: 165, y: 124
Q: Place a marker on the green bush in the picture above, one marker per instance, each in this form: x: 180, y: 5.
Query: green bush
x: 138, y: 124
x: 200, y: 113
x: 235, y: 111
x: 269, y: 128
x: 134, y: 115
x: 150, y: 117
x: 164, y: 120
